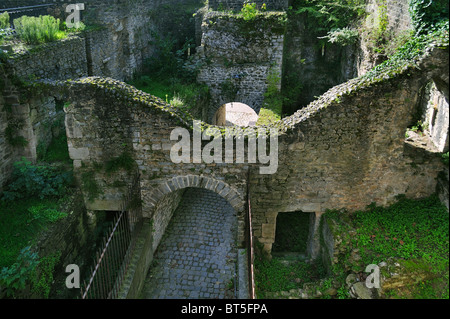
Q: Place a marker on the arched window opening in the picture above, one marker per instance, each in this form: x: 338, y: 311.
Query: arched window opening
x: 235, y: 114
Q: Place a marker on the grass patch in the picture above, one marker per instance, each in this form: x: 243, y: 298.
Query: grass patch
x: 181, y: 94
x: 267, y: 117
x: 20, y: 221
x: 416, y: 231
x: 275, y: 275
x: 57, y: 151
x: 273, y: 101
x: 408, y: 229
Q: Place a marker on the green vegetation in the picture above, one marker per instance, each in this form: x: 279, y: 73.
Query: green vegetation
x: 169, y: 76
x: 277, y: 275
x: 90, y: 185
x: 43, y: 212
x: 42, y: 278
x: 406, y: 55
x: 15, y: 277
x: 413, y: 232
x: 343, y: 37
x: 20, y: 224
x: 37, y: 30
x: 124, y: 161
x: 416, y: 231
x: 445, y: 158
x: 426, y: 15
x: 40, y: 181
x: 273, y: 101
x: 57, y: 151
x: 325, y: 16
x: 250, y: 11
x: 4, y: 20
x: 29, y: 204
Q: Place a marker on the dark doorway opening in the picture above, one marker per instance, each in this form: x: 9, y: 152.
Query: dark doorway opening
x: 291, y: 234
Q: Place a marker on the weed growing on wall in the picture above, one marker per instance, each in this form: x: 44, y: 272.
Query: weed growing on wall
x: 408, y: 53
x: 324, y: 16
x: 343, y: 37
x: 37, y: 30
x: 250, y: 10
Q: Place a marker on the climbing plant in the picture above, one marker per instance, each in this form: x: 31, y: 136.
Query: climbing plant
x: 325, y: 16
x: 426, y: 14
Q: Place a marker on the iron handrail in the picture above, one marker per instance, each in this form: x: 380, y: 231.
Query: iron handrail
x: 18, y: 9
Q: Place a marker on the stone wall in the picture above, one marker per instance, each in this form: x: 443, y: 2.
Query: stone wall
x: 397, y: 17
x: 435, y: 117
x: 33, y: 116
x: 62, y: 60
x: 310, y: 67
x: 163, y: 214
x: 238, y: 57
x: 6, y: 150
x: 96, y: 135
x: 347, y: 150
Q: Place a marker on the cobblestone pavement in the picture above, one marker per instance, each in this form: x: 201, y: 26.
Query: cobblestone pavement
x: 197, y: 255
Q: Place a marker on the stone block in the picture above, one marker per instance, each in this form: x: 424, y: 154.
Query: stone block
x: 81, y: 153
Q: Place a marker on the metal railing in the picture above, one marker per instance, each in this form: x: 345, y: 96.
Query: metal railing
x: 250, y: 250
x: 114, y: 256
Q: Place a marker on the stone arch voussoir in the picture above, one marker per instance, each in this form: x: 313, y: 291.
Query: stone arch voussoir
x: 219, y: 187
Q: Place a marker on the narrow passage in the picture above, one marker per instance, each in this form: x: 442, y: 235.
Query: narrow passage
x: 197, y: 255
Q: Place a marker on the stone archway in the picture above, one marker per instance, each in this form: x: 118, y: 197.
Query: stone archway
x: 235, y: 114
x: 160, y: 200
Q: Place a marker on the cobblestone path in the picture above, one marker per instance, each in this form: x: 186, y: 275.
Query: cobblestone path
x: 197, y: 255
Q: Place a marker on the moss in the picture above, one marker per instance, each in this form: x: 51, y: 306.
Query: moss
x: 124, y: 161
x: 90, y: 185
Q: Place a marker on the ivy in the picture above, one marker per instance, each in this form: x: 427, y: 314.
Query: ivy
x: 407, y: 55
x: 426, y: 14
x: 324, y: 16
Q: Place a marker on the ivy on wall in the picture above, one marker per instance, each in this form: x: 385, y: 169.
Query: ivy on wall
x: 426, y: 14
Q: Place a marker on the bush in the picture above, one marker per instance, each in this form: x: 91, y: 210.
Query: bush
x: 14, y: 278
x: 4, y: 20
x: 36, y: 181
x: 249, y: 11
x: 37, y: 30
x: 343, y: 37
